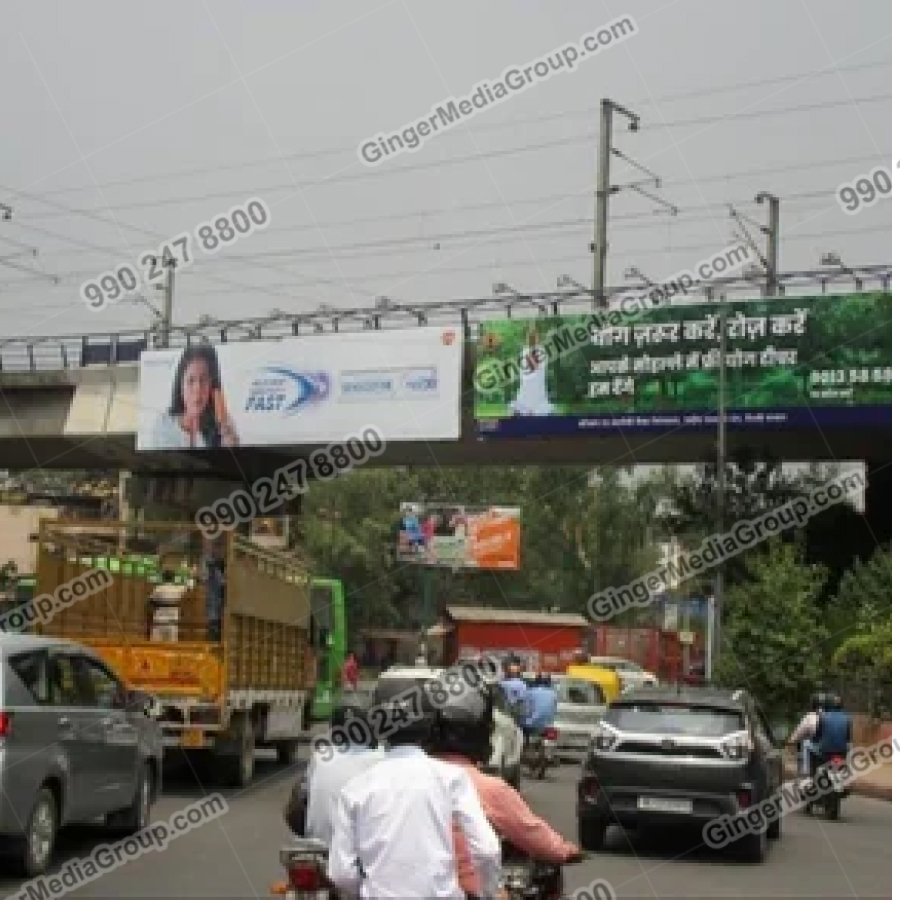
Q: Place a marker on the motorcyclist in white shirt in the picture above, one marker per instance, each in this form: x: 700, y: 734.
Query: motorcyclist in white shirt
x: 393, y: 825
x: 311, y: 805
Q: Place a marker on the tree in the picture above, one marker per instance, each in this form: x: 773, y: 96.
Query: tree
x: 772, y: 637
x: 753, y: 486
x: 864, y: 657
x: 580, y: 534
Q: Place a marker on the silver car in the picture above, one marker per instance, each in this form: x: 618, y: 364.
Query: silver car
x: 578, y: 713
x: 75, y: 746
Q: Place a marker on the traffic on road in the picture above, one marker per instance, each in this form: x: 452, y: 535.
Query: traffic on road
x: 630, y: 817
x: 236, y: 855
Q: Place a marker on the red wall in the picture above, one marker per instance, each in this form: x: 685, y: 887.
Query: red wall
x: 548, y: 647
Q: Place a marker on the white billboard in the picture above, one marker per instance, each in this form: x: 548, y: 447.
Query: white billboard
x: 305, y: 390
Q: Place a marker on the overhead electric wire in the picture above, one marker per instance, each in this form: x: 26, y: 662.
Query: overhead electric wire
x: 352, y: 251
x: 480, y: 156
x: 542, y: 262
x: 476, y: 128
x: 624, y: 223
x: 294, y: 252
x: 137, y: 229
x: 586, y: 194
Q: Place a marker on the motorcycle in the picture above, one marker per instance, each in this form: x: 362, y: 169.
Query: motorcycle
x: 306, y: 866
x: 527, y: 879
x: 830, y: 801
x: 536, y: 754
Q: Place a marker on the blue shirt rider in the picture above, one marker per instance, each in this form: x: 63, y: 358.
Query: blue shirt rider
x: 515, y: 689
x: 540, y: 705
x: 834, y: 731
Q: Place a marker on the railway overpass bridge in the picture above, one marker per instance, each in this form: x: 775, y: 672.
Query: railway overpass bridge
x: 73, y: 403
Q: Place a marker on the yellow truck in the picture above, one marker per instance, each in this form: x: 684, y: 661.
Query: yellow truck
x: 222, y: 687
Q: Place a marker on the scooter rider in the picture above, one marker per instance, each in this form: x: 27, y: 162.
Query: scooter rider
x: 540, y: 706
x: 463, y: 738
x: 393, y: 825
x: 514, y: 686
x: 833, y: 734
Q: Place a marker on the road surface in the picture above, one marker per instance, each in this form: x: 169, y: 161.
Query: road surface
x: 235, y: 855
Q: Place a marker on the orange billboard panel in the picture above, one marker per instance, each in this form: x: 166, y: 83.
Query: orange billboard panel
x: 460, y: 537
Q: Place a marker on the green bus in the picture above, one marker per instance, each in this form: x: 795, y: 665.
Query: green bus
x: 330, y: 630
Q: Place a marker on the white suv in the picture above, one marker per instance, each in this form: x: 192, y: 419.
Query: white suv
x: 507, y: 740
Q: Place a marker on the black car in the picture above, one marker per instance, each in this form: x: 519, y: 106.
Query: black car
x: 671, y: 757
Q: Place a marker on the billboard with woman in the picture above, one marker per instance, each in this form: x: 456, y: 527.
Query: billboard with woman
x: 303, y: 390
x: 196, y: 415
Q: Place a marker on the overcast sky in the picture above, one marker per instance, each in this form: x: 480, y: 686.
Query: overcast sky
x: 127, y: 123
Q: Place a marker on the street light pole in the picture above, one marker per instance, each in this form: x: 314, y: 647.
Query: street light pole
x: 721, y: 455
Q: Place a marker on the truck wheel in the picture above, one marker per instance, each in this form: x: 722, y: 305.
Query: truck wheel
x: 287, y: 752
x: 237, y: 768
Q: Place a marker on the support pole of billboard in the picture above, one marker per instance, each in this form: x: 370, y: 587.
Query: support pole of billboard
x: 721, y: 456
x: 427, y: 579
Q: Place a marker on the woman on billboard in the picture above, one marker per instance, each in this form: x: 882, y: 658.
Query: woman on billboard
x: 532, y: 398
x: 197, y: 416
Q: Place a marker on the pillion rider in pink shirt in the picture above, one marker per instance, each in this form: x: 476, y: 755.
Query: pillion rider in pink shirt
x: 463, y: 738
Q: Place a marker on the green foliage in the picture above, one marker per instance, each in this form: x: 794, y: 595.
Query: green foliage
x: 865, y: 655
x: 772, y: 639
x: 580, y: 534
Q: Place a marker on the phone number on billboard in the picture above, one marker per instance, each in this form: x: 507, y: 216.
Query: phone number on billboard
x: 292, y: 480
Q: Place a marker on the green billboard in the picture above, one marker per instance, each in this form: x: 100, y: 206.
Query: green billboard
x: 792, y: 362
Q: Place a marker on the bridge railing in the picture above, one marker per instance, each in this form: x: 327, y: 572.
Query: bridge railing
x: 54, y: 353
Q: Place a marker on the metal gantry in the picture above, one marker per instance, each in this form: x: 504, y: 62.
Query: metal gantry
x: 53, y: 352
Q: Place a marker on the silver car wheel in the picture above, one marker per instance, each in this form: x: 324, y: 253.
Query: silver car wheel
x: 42, y: 833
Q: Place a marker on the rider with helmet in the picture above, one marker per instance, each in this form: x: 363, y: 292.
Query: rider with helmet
x: 825, y: 709
x: 309, y: 810
x: 540, y: 706
x: 833, y: 734
x: 393, y: 825
x: 514, y: 687
x: 463, y: 739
